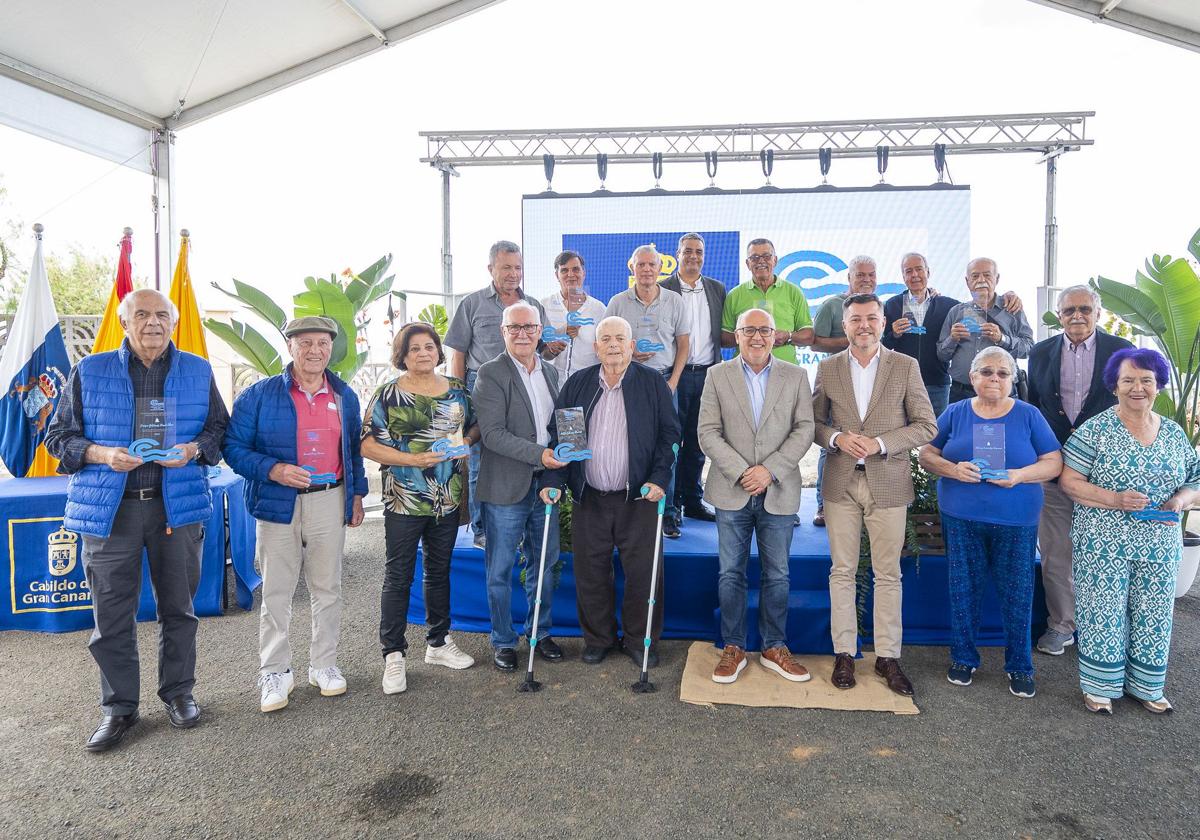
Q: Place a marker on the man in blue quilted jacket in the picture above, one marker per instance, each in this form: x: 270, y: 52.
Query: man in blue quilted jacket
x: 295, y: 438
x: 122, y: 503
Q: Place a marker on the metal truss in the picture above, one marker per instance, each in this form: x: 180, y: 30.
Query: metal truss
x: 996, y: 133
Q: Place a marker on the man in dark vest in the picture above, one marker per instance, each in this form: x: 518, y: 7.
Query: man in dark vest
x: 122, y: 504
x: 1065, y: 384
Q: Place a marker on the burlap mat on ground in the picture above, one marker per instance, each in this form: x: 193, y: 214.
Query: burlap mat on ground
x: 759, y: 687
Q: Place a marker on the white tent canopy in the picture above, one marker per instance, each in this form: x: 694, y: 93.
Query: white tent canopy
x: 1174, y: 22
x: 117, y: 79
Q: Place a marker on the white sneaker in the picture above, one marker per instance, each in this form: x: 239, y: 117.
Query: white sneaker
x: 448, y: 655
x: 329, y: 680
x: 275, y: 690
x: 395, y: 678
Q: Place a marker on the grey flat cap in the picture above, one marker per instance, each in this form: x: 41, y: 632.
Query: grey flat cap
x: 311, y: 323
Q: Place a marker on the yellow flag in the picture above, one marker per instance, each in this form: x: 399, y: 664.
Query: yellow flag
x: 110, y: 335
x: 189, y: 332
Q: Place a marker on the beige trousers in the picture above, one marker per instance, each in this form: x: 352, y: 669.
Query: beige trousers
x: 313, y: 541
x: 885, y: 527
x: 1054, y: 542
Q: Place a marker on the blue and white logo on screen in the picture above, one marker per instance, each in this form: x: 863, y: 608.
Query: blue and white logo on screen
x: 821, y: 274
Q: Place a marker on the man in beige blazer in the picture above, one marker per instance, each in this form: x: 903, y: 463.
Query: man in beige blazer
x: 870, y: 408
x: 755, y: 424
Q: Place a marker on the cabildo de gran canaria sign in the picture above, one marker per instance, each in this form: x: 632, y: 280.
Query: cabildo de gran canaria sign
x: 56, y: 585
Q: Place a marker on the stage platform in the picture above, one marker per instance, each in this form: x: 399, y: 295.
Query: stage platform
x: 690, y: 600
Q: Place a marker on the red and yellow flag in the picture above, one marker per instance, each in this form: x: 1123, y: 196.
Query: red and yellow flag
x: 110, y: 335
x: 189, y: 332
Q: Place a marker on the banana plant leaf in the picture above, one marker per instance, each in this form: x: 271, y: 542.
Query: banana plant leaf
x: 248, y: 343
x: 1179, y: 303
x: 361, y: 288
x: 1130, y: 304
x: 435, y: 315
x: 328, y: 299
x: 257, y: 302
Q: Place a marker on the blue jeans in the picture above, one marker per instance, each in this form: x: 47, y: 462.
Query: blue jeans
x: 507, y: 526
x: 477, y: 526
x: 774, y: 533
x: 670, y: 511
x: 974, y: 550
x: 939, y: 397
x: 688, y: 493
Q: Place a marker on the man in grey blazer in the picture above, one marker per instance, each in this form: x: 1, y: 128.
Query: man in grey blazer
x: 704, y: 302
x: 756, y: 423
x: 514, y: 401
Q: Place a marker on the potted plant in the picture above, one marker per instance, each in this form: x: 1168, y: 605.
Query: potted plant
x: 1164, y: 304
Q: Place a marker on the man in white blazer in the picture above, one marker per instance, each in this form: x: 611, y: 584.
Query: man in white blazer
x: 756, y: 423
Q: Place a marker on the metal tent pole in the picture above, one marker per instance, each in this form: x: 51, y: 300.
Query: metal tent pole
x: 447, y: 259
x: 1048, y: 291
x: 162, y: 170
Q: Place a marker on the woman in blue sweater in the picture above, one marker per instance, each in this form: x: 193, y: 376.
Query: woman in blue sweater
x: 992, y: 453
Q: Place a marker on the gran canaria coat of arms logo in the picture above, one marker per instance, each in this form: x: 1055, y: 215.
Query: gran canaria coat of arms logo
x: 62, y: 551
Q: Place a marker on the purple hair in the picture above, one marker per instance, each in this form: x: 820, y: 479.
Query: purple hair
x: 1140, y: 358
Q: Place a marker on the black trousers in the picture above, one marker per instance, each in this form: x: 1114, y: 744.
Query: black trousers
x: 113, y: 567
x: 688, y: 492
x: 401, y: 534
x: 600, y: 523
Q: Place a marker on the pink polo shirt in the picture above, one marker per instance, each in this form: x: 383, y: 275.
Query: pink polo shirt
x: 318, y: 429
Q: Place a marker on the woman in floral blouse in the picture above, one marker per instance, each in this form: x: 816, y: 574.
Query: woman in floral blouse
x: 408, y: 424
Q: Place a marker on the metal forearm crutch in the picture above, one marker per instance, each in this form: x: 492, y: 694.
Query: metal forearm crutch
x: 530, y: 683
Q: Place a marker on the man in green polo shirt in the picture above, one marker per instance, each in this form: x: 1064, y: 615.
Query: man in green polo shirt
x: 785, y: 301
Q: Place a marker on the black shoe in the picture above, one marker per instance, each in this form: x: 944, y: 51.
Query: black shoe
x: 505, y: 659
x: 549, y: 650
x: 110, y: 731
x: 183, y: 711
x: 702, y: 513
x: 593, y: 655
x: 635, y: 653
x: 671, y: 528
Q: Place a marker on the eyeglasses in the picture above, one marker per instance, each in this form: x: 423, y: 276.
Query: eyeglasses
x: 988, y: 373
x: 1071, y: 310
x: 750, y: 332
x: 528, y: 329
x: 756, y: 258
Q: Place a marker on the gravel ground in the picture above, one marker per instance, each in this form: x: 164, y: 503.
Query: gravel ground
x: 463, y: 755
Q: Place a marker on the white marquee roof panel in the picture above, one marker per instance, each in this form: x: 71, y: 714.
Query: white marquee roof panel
x: 1174, y: 22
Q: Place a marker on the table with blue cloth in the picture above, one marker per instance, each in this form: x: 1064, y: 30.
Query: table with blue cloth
x: 44, y: 586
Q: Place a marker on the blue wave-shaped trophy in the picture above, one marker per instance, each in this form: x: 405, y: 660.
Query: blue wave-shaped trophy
x: 319, y: 478
x: 448, y: 450
x: 645, y: 345
x: 574, y: 319
x: 550, y: 334
x: 147, y: 449
x: 566, y: 452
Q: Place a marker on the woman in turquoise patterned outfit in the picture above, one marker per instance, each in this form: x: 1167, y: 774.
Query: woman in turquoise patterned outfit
x: 409, y: 421
x: 1125, y: 460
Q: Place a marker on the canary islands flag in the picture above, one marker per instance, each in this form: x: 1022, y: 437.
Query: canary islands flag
x: 33, y: 370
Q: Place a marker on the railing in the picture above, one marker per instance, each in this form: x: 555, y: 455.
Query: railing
x: 78, y: 331
x: 368, y: 378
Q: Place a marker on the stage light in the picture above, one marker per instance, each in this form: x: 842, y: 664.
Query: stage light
x: 766, y: 159
x: 548, y: 168
x: 939, y: 160
x: 602, y: 168
x: 710, y: 166
x: 881, y: 161
x: 656, y: 166
x: 825, y: 156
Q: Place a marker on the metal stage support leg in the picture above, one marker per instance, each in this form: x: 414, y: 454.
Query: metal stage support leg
x: 162, y: 170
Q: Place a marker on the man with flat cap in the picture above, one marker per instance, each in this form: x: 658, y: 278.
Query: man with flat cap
x: 295, y: 438
x: 122, y: 504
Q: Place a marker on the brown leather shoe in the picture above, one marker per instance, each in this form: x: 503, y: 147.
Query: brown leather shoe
x: 843, y: 671
x: 889, y: 669
x: 780, y: 660
x: 733, y: 661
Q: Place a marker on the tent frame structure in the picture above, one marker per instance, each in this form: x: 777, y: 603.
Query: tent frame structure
x: 1050, y: 135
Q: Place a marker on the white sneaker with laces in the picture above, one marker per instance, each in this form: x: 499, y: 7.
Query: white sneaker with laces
x: 449, y: 655
x: 275, y: 690
x: 329, y: 680
x: 395, y: 677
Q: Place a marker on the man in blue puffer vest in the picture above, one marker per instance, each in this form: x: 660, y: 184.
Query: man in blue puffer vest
x: 121, y: 503
x: 295, y: 438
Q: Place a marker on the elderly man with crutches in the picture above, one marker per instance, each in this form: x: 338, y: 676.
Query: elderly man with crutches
x: 630, y: 428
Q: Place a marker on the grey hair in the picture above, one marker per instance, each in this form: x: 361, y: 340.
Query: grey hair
x: 644, y: 249
x: 1079, y: 288
x: 506, y: 317
x: 993, y: 352
x: 759, y: 241
x: 603, y: 321
x: 686, y: 237
x: 502, y: 246
x: 125, y: 309
x: 912, y: 254
x: 862, y: 259
x: 741, y: 318
x: 995, y: 265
